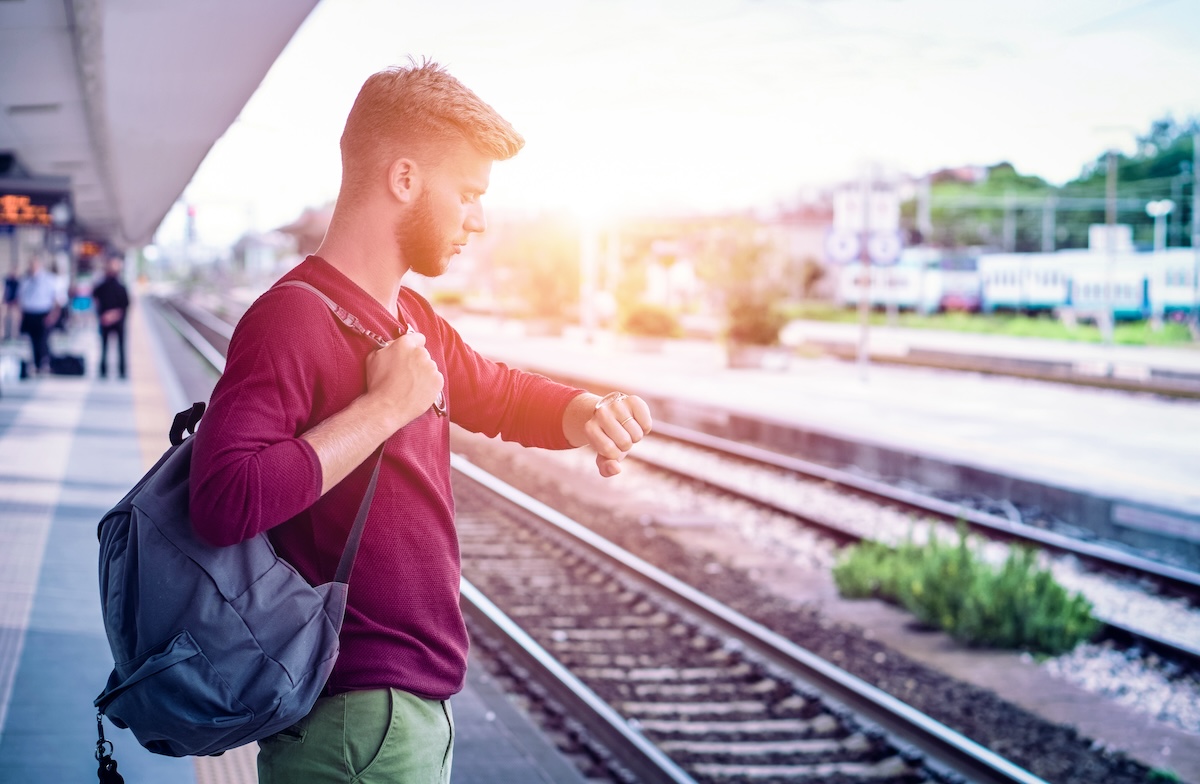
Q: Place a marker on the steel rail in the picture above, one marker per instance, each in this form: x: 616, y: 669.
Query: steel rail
x: 939, y: 742
x: 210, y: 321
x: 1164, y: 387
x: 1181, y: 580
x: 173, y: 316
x: 628, y: 745
x: 996, y: 527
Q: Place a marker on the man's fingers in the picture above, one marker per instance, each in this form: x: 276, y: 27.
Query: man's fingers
x: 607, y: 466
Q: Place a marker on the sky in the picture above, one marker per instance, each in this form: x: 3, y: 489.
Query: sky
x: 673, y: 106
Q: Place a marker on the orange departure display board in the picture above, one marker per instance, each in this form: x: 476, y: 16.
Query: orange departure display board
x: 21, y: 210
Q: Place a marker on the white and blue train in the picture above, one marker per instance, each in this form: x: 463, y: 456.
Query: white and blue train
x: 1135, y: 285
x: 1143, y: 285
x: 925, y: 280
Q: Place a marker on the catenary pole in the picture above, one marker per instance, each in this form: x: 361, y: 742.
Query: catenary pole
x: 1110, y: 232
x: 1195, y: 237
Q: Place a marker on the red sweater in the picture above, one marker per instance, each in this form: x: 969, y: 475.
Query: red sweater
x: 291, y: 365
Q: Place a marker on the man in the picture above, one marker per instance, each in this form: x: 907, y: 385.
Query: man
x: 37, y: 295
x: 112, y: 303
x: 304, y: 402
x: 11, y: 310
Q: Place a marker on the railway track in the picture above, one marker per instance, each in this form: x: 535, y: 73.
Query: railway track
x: 213, y: 334
x: 1182, y: 581
x: 1168, y: 578
x: 724, y: 698
x: 675, y: 686
x: 912, y: 754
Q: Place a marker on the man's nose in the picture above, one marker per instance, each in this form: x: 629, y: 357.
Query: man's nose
x: 475, y: 221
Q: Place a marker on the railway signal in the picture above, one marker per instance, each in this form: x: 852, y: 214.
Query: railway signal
x: 866, y: 227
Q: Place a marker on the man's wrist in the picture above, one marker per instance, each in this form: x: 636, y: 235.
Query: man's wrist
x: 378, y: 412
x: 581, y: 409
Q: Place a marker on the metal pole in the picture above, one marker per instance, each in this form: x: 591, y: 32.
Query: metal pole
x: 1195, y: 237
x: 1110, y: 221
x: 1048, y: 220
x: 1174, y: 226
x: 1010, y: 223
x: 924, y: 211
x: 864, y: 306
x: 588, y: 240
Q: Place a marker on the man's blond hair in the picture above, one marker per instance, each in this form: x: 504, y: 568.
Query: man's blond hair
x: 418, y: 110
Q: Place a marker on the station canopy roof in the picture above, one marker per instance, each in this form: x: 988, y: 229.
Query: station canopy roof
x: 120, y: 100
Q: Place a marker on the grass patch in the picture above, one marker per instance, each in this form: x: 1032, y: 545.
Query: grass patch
x: 949, y: 586
x: 1136, y: 333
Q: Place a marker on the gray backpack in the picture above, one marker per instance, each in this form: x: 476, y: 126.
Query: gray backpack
x: 215, y: 647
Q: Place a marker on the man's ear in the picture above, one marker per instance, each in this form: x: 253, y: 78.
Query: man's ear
x: 402, y: 179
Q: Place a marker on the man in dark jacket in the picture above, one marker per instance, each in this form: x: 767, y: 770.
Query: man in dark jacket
x: 112, y: 303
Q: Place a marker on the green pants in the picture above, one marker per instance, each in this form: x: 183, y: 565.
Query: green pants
x: 363, y: 737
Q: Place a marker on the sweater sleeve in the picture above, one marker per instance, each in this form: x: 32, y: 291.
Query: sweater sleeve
x: 494, y: 399
x: 250, y: 471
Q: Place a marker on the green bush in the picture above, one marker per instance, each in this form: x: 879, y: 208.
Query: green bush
x: 447, y: 298
x: 951, y: 587
x: 653, y: 321
x: 754, y: 321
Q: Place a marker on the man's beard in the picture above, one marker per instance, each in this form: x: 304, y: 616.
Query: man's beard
x: 419, y: 242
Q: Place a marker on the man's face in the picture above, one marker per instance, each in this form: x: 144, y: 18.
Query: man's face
x: 447, y: 210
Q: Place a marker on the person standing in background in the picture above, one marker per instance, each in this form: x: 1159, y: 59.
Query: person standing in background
x: 62, y: 288
x: 112, y: 303
x: 37, y: 295
x: 10, y: 314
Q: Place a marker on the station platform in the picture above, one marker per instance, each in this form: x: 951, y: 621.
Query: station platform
x: 70, y: 448
x: 1134, y: 363
x: 1139, y: 448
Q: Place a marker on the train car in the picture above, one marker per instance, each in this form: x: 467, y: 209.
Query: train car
x: 1172, y: 278
x: 925, y: 280
x: 1094, y: 288
x: 1025, y: 282
x: 1144, y: 284
x: 961, y: 289
x: 905, y: 285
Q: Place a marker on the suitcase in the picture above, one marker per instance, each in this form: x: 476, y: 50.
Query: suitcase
x: 67, y: 365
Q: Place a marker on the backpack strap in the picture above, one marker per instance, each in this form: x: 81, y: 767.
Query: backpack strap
x: 186, y: 420
x: 346, y: 564
x: 342, y: 315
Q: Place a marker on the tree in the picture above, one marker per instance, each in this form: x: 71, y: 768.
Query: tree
x: 1160, y: 168
x: 997, y: 211
x: 1005, y: 209
x: 536, y: 264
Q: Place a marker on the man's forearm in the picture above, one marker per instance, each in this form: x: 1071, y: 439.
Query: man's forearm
x: 345, y: 439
